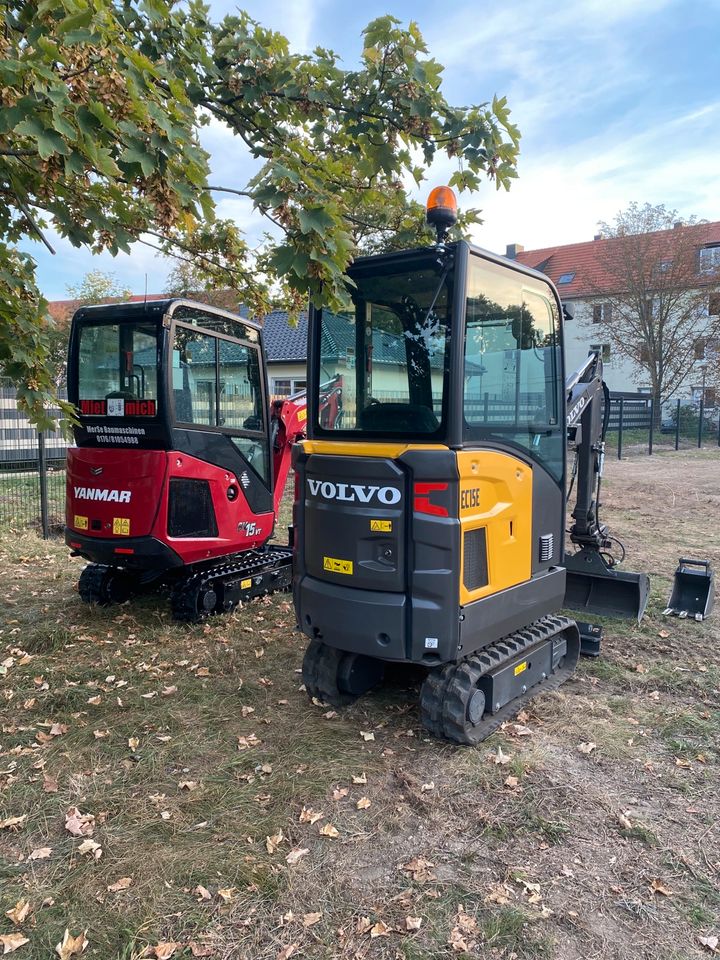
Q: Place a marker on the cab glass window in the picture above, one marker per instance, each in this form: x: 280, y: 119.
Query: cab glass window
x: 118, y: 362
x: 513, y: 369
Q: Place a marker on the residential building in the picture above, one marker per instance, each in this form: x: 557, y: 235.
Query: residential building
x: 580, y: 273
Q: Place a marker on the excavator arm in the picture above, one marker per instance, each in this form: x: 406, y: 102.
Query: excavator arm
x: 594, y: 584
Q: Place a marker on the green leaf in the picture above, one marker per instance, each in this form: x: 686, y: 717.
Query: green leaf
x: 315, y: 219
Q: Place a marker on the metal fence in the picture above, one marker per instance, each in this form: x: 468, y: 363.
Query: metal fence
x: 32, y: 470
x: 635, y: 427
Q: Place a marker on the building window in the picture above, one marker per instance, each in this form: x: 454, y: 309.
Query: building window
x: 663, y: 266
x: 699, y: 348
x: 710, y: 258
x: 287, y: 386
x: 603, y: 349
x: 714, y: 305
x: 566, y: 278
x: 644, y: 352
x: 601, y: 313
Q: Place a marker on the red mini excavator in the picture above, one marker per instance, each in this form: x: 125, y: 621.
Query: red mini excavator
x: 180, y: 462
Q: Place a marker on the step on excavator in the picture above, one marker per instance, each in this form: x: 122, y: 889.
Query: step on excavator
x: 180, y: 459
x: 430, y: 520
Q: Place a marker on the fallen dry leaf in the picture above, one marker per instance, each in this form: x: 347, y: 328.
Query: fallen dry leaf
x: 133, y: 743
x: 500, y: 758
x: 512, y: 782
x: 19, y: 912
x: 500, y: 894
x: 40, y: 853
x: 95, y: 701
x: 13, y: 823
x: 187, y: 785
x: 165, y: 950
x: 340, y: 792
x: 682, y: 762
x: 12, y: 941
x: 413, y: 923
x: 420, y: 869
x: 244, y: 743
x: 92, y: 847
x: 366, y: 735
x: 295, y: 855
x: 202, y: 893
x: 272, y: 843
x: 79, y: 824
x: 379, y: 929
x: 50, y: 784
x: 710, y: 943
x: 227, y: 894
x: 657, y: 886
x: 361, y: 779
x: 122, y: 884
x: 71, y: 946
x: 201, y: 949
x: 587, y: 746
x: 328, y: 830
x: 286, y: 952
x: 310, y: 919
x: 363, y: 803
x: 101, y: 734
x: 308, y: 815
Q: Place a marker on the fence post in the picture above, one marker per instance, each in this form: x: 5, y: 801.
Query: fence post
x: 719, y: 431
x: 700, y: 424
x: 620, y: 427
x: 650, y: 435
x: 42, y: 476
x: 677, y: 425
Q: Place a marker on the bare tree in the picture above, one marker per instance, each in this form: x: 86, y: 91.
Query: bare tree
x: 656, y: 294
x: 188, y: 280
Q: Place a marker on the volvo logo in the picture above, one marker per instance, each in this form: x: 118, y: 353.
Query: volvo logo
x: 354, y: 492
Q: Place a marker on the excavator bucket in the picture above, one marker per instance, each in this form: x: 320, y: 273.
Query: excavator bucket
x: 693, y: 589
x: 594, y: 587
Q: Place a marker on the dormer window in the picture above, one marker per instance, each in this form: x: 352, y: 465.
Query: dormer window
x: 710, y: 258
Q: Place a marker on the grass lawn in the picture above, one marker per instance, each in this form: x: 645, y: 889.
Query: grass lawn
x: 219, y: 813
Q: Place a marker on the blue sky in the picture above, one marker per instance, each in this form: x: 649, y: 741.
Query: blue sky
x: 616, y: 102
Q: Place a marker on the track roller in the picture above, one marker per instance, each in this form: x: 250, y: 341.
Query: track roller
x: 467, y: 701
x: 337, y: 677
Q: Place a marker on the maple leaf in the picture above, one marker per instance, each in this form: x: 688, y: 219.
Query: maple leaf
x: 122, y: 884
x: 272, y: 843
x: 202, y: 672
x: 363, y: 803
x: 308, y: 815
x: 10, y: 942
x: 710, y: 943
x: 499, y: 894
x: 328, y: 830
x: 165, y: 950
x: 310, y: 919
x: 379, y: 929
x: 71, y: 946
x: 363, y: 925
x: 340, y: 792
x: 657, y: 886
x: 227, y: 894
x: 40, y: 853
x: 19, y: 912
x: 295, y: 855
x: 420, y: 869
x: 90, y: 846
x: 499, y: 758
x: 13, y: 823
x: 413, y: 923
x: 58, y: 729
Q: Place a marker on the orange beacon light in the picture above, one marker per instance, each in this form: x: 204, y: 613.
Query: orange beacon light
x: 441, y: 211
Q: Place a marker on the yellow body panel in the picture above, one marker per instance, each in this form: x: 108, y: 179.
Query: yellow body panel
x: 343, y: 448
x: 496, y: 493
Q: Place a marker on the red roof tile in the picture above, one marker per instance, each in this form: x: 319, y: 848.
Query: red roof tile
x: 586, y: 261
x: 59, y: 309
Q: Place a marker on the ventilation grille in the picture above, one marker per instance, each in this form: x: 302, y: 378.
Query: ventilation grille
x: 547, y: 542
x: 190, y: 510
x: 475, y: 570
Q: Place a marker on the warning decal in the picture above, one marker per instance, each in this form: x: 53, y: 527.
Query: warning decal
x: 338, y: 566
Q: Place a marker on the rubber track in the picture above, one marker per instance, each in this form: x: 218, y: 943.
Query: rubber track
x: 446, y: 690
x: 90, y: 584
x: 319, y: 673
x: 185, y: 594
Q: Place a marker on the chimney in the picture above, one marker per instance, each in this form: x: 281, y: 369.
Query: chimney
x: 677, y: 224
x: 513, y: 249
x: 598, y: 236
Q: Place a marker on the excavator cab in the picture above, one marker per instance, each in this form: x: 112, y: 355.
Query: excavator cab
x: 430, y: 519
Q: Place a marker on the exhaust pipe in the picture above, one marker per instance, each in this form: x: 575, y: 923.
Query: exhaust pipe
x: 592, y: 586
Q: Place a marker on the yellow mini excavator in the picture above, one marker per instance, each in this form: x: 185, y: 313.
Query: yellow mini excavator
x: 430, y: 512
